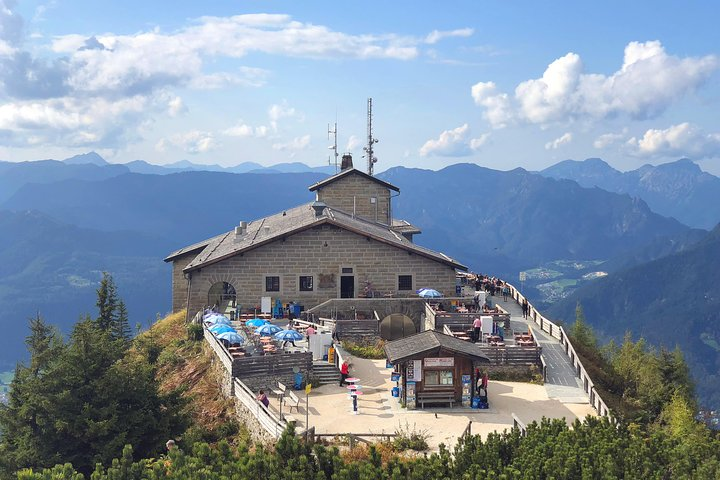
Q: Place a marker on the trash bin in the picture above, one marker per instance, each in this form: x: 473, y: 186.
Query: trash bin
x: 296, y: 310
x: 298, y: 381
x: 395, y: 392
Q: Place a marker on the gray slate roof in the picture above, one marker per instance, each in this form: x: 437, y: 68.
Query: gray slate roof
x: 268, y: 229
x: 351, y: 171
x: 430, y: 341
x: 194, y: 247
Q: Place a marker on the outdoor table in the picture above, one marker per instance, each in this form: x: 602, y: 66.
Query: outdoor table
x: 352, y: 380
x: 525, y: 343
x: 353, y: 387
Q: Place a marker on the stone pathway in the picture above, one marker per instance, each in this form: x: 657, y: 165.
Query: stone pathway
x: 562, y: 384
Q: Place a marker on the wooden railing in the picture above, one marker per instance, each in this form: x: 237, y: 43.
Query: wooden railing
x: 271, y: 365
x: 219, y: 350
x: 272, y: 424
x: 558, y: 332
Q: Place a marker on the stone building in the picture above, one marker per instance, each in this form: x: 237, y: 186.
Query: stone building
x: 345, y: 244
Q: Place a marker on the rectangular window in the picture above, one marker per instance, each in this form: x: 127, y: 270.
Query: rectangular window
x: 405, y: 282
x: 438, y: 378
x: 272, y: 284
x: 306, y: 283
x: 347, y: 270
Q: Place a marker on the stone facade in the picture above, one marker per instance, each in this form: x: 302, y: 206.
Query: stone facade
x: 179, y: 283
x: 324, y: 253
x: 354, y: 193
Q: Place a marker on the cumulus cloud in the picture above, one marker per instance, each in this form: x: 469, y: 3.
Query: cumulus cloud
x: 93, y: 72
x: 244, y: 130
x: 607, y: 139
x: 498, y: 108
x: 193, y: 142
x: 296, y: 144
x: 437, y: 35
x: 682, y: 140
x: 560, y: 141
x: 453, y: 143
x: 646, y: 84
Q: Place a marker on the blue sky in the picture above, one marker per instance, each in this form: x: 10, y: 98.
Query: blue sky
x: 501, y: 84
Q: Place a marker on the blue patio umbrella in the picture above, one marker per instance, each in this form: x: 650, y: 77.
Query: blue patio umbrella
x: 429, y: 293
x: 256, y: 322
x: 218, y: 329
x: 268, y: 330
x: 288, y: 335
x: 232, y: 337
x: 218, y: 320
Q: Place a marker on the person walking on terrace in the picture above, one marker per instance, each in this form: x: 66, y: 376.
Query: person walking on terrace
x: 344, y: 372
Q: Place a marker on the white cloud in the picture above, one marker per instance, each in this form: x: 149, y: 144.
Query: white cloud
x: 437, y: 35
x: 352, y: 143
x: 564, y: 139
x: 682, y: 140
x: 111, y: 70
x: 298, y: 143
x: 607, y: 139
x: 647, y: 83
x: 192, y: 142
x: 498, y: 109
x: 176, y: 107
x: 453, y: 143
x: 280, y: 111
x: 244, y: 130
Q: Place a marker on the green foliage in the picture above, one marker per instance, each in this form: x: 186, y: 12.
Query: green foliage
x: 407, y: 438
x: 194, y: 332
x: 581, y: 332
x: 82, y: 401
x: 365, y: 350
x: 593, y: 448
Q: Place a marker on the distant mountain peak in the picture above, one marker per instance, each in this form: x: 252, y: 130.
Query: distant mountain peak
x: 84, y: 158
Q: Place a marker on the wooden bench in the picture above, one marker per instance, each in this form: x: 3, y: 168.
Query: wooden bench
x: 280, y: 391
x: 435, y: 397
x: 292, y: 401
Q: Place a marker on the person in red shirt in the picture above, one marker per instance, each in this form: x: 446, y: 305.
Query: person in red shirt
x: 344, y: 372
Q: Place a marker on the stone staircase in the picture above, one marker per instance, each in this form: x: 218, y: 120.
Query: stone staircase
x: 326, y: 372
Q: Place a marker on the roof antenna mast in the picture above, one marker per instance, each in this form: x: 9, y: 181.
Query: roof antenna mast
x: 333, y: 147
x: 369, y: 153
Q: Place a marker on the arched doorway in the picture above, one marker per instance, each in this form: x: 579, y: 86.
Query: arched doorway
x: 396, y: 326
x: 222, y: 295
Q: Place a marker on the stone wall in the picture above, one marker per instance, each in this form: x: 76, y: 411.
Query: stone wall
x: 179, y: 282
x: 346, y: 309
x: 321, y: 252
x: 353, y: 193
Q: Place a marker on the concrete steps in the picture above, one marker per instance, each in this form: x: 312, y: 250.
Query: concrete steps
x: 326, y: 372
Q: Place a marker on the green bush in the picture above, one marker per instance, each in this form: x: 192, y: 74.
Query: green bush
x: 195, y: 332
x: 410, y: 439
x: 365, y: 350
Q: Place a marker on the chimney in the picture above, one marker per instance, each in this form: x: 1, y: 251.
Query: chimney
x: 240, y: 230
x: 346, y: 162
x: 318, y: 207
x: 266, y: 229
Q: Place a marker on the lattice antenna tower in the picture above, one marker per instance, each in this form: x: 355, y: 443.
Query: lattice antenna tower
x: 369, y: 152
x: 333, y: 147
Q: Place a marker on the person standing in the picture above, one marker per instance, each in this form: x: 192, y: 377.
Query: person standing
x: 477, y: 328
x: 310, y: 331
x: 344, y: 372
x: 525, y: 308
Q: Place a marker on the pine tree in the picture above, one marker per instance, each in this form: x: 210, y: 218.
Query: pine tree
x: 27, y: 416
x: 121, y: 328
x: 107, y: 302
x: 581, y: 331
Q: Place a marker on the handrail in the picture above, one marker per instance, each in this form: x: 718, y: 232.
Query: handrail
x: 559, y: 333
x: 519, y: 424
x: 273, y: 425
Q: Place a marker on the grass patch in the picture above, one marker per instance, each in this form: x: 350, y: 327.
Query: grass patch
x: 373, y: 351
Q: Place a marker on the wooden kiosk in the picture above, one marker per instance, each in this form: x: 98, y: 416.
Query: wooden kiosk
x: 435, y: 368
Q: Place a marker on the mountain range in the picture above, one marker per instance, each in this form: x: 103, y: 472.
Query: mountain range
x: 678, y: 189
x: 672, y: 300
x: 65, y: 222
